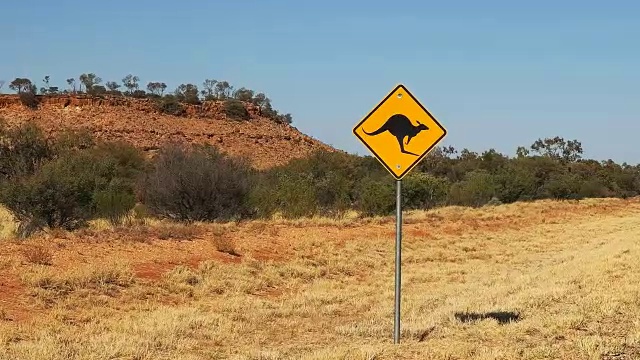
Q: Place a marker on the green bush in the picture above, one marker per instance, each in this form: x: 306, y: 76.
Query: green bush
x: 291, y: 194
x: 593, y: 188
x: 235, y: 110
x: 515, y: 183
x: 375, y: 197
x: 476, y: 190
x: 114, y: 204
x: 23, y: 149
x: 424, y: 191
x: 321, y: 184
x: 170, y: 105
x: 66, y: 191
x: 563, y: 187
x: 196, y: 184
x: 58, y: 195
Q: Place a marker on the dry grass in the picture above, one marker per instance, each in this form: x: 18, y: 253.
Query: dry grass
x: 8, y: 226
x: 223, y: 242
x: 38, y: 254
x: 543, y: 280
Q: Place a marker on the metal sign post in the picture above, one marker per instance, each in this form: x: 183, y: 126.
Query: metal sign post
x: 396, y: 322
x: 387, y: 132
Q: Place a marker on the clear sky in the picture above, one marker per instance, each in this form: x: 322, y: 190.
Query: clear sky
x: 497, y: 74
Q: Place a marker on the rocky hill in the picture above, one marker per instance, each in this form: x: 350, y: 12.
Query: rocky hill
x: 265, y: 142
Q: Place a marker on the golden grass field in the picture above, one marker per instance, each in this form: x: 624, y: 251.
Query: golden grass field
x: 565, y: 273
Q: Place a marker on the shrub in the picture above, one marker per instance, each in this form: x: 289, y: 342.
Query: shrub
x: 139, y: 94
x: 57, y: 195
x: 319, y: 184
x: 376, y: 197
x: 38, y: 255
x: 477, y: 189
x: 29, y: 99
x: 196, y: 184
x: 515, y: 183
x: 114, y: 204
x: 73, y: 140
x: 424, y: 191
x: 120, y: 160
x: 235, y: 109
x: 62, y: 193
x: 563, y: 186
x: 593, y: 189
x: 170, y: 105
x: 291, y: 194
x: 22, y: 150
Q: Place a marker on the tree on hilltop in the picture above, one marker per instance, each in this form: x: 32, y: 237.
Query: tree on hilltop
x: 223, y: 90
x: 243, y: 94
x: 156, y: 88
x: 131, y: 83
x: 209, y: 89
x: 22, y: 85
x: 112, y: 86
x: 262, y: 101
x: 187, y: 93
x: 45, y: 89
x: 48, y: 89
x: 2, y: 82
x: 72, y: 84
x: 89, y: 81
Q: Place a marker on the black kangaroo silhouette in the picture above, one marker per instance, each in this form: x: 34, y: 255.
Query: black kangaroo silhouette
x: 400, y: 126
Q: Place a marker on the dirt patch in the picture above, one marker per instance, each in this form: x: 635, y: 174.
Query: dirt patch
x: 154, y: 270
x: 12, y: 307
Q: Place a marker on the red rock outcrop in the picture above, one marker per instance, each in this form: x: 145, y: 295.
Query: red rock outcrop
x: 264, y: 142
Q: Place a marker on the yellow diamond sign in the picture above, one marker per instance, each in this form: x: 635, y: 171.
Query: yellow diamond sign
x: 399, y: 131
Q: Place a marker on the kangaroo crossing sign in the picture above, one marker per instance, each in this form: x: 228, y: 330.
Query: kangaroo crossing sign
x: 399, y: 131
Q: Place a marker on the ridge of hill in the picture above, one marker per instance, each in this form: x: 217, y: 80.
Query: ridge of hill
x: 264, y: 142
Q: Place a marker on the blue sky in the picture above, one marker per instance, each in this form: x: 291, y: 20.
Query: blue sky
x: 497, y: 74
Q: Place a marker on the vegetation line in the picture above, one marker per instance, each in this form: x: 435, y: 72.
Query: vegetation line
x: 65, y: 181
x: 170, y: 103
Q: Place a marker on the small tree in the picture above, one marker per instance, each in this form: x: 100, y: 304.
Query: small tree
x: 98, y: 90
x: 2, y: 82
x: 45, y: 90
x: 112, y: 86
x: 72, y: 84
x: 89, y: 81
x: 156, y: 88
x: 187, y: 93
x: 23, y: 149
x: 223, y: 90
x: 285, y: 118
x: 131, y: 83
x: 243, y: 94
x: 558, y: 148
x: 21, y: 85
x: 208, y: 91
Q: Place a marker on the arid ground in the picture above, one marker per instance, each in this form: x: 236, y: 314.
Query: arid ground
x: 543, y: 280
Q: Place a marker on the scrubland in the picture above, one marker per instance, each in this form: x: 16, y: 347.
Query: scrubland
x: 539, y: 280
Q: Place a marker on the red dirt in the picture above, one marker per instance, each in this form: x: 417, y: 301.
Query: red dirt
x: 12, y: 307
x: 264, y: 142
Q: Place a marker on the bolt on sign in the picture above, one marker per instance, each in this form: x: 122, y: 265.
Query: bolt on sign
x: 399, y: 131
